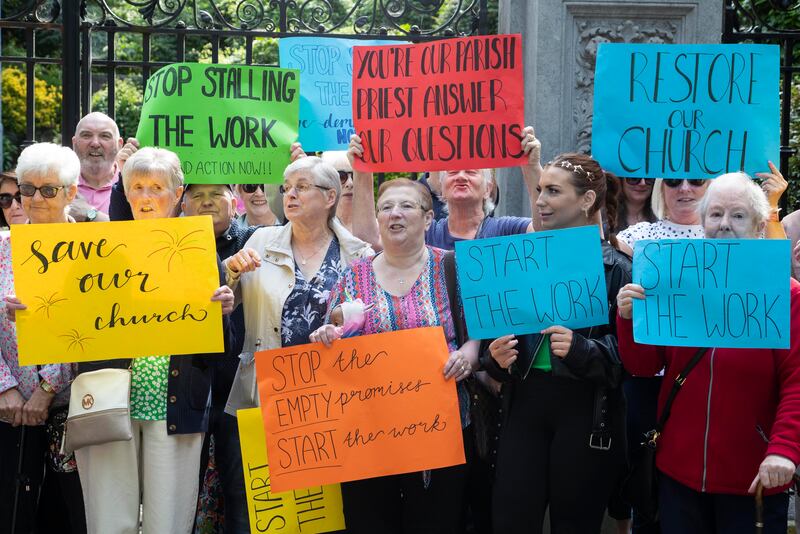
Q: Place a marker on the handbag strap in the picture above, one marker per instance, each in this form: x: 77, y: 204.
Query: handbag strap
x: 449, y: 267
x: 676, y: 387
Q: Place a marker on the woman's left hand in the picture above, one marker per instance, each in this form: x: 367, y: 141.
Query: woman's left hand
x: 774, y: 184
x: 224, y: 295
x: 326, y: 334
x: 34, y: 412
x: 560, y: 340
x: 297, y: 152
x: 775, y: 471
x: 457, y: 366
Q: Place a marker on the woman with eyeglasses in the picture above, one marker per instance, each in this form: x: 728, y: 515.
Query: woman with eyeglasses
x: 404, y: 287
x: 284, y: 274
x: 257, y: 209
x: 562, y: 442
x: 11, y: 211
x: 34, y: 399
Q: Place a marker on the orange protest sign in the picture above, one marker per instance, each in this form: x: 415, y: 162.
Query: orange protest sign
x: 367, y: 406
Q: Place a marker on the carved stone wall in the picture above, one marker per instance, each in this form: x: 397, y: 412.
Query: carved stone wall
x: 560, y: 39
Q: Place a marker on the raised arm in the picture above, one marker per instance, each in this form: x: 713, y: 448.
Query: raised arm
x: 531, y: 172
x: 365, y: 224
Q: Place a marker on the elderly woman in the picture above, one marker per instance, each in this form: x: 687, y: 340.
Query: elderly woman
x: 404, y: 287
x: 743, y: 402
x: 285, y: 273
x: 11, y: 211
x: 159, y: 465
x: 34, y: 399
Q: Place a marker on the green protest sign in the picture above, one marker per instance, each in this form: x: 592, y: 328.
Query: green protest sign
x: 227, y: 123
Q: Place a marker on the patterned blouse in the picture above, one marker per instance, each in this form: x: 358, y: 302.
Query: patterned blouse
x: 426, y: 304
x: 304, y: 309
x: 149, y: 378
x: 25, y: 378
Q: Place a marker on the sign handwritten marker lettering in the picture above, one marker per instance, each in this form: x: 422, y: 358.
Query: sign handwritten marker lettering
x: 524, y: 283
x: 227, y: 123
x: 303, y: 511
x: 326, y: 87
x: 665, y: 111
x: 116, y: 290
x: 450, y: 104
x: 336, y: 414
x: 712, y: 293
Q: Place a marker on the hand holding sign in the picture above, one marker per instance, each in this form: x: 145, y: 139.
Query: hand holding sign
x: 625, y: 299
x: 774, y: 185
x: 12, y: 305
x: 503, y: 351
x: 457, y: 366
x: 326, y: 334
x: 560, y: 340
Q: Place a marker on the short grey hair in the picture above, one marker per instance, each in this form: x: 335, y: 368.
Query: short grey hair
x: 322, y: 174
x: 151, y: 160
x: 49, y: 158
x: 488, y: 203
x: 752, y: 193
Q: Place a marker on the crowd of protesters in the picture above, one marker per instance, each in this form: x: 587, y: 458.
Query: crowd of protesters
x: 293, y: 258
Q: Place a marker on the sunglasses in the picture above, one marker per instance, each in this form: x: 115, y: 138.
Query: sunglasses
x: 637, y: 181
x: 676, y: 182
x: 344, y: 176
x: 252, y: 188
x: 47, y: 191
x: 6, y: 199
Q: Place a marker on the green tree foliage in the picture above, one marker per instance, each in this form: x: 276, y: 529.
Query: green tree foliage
x: 128, y: 97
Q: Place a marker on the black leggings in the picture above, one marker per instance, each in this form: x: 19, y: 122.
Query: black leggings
x: 545, y: 459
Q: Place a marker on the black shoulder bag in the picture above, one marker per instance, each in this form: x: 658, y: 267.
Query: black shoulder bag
x: 484, y: 405
x: 640, y: 487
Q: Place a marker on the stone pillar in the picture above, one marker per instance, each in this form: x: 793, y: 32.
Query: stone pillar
x: 559, y: 40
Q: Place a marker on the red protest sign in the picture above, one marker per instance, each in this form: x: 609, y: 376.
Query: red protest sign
x: 367, y: 406
x: 450, y: 104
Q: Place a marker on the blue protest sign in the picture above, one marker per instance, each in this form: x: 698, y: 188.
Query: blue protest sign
x: 326, y: 72
x: 712, y: 293
x: 524, y: 283
x: 686, y: 111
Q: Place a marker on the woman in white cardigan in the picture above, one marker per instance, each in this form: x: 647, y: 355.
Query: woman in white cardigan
x: 284, y: 273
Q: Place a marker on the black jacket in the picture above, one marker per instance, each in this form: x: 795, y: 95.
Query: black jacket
x: 593, y: 356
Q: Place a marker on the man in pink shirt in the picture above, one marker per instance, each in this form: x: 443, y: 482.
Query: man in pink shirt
x: 97, y: 143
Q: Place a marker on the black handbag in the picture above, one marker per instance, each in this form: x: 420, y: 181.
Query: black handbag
x: 640, y: 486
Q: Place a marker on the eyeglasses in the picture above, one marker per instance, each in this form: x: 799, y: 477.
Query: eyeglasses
x: 6, y: 199
x: 344, y: 176
x: 47, y: 191
x: 405, y: 207
x: 300, y: 188
x: 252, y: 188
x: 676, y: 182
x: 637, y: 181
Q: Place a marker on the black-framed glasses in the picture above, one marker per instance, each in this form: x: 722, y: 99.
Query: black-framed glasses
x: 676, y: 182
x: 6, y: 199
x: 637, y: 181
x: 47, y: 191
x: 252, y: 188
x: 300, y: 188
x: 344, y: 176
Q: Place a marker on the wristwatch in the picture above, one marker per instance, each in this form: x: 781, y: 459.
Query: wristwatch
x: 91, y: 214
x: 46, y: 387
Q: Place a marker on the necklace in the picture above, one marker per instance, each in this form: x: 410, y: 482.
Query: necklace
x: 304, y: 259
x: 424, y: 259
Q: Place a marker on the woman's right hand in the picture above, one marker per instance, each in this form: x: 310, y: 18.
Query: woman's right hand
x: 503, y: 350
x: 12, y: 305
x: 11, y: 403
x: 625, y: 299
x: 244, y: 261
x: 326, y: 334
x: 355, y: 149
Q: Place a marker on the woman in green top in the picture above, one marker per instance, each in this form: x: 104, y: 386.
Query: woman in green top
x: 562, y: 443
x: 159, y: 467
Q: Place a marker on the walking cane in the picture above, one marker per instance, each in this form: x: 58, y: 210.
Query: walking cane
x: 759, y: 508
x: 20, y: 458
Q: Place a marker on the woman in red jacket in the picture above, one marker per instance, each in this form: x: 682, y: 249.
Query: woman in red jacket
x: 737, y: 418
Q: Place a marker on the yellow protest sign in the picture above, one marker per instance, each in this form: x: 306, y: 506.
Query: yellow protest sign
x: 307, y: 511
x: 116, y: 290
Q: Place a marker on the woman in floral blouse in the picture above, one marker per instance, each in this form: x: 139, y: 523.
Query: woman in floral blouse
x: 29, y: 395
